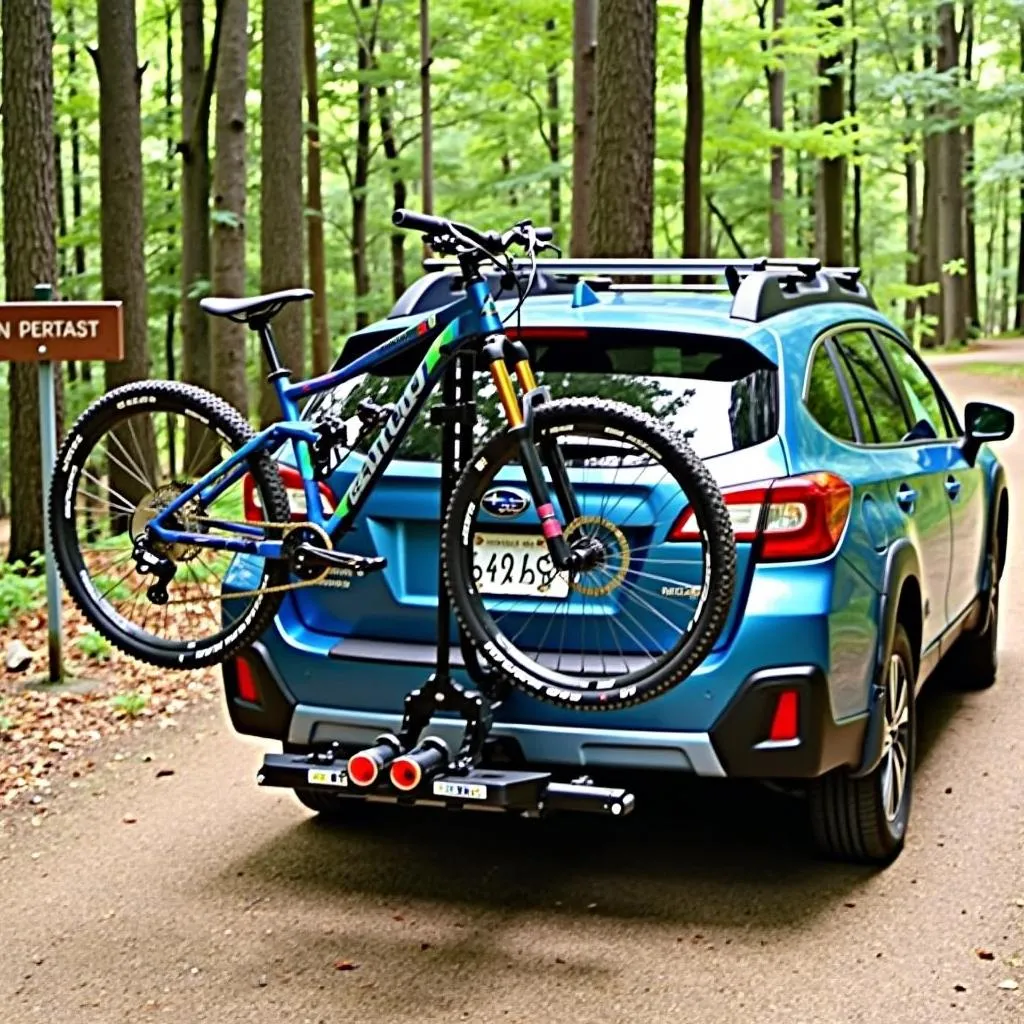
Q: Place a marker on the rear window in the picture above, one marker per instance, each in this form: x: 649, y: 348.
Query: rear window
x: 721, y: 395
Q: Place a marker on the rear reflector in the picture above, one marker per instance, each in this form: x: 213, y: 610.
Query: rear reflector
x: 246, y: 682
x: 786, y: 720
x: 292, y: 481
x: 794, y: 519
x: 362, y: 770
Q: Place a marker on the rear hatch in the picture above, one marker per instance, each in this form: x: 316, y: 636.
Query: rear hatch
x: 721, y: 394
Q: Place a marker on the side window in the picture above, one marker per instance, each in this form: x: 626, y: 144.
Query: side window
x: 877, y: 395
x: 922, y: 398
x: 825, y: 400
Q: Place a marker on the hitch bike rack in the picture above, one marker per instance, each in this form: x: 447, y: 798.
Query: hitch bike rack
x: 411, y: 767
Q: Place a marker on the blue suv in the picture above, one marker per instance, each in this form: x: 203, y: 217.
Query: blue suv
x: 870, y: 527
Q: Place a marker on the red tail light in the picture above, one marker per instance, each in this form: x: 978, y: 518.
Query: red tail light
x: 794, y: 519
x: 246, y: 682
x: 292, y: 481
x: 786, y: 720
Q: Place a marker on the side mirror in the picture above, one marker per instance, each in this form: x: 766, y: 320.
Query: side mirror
x: 985, y: 422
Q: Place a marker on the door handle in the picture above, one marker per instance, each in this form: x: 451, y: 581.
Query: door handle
x: 953, y: 487
x: 906, y: 498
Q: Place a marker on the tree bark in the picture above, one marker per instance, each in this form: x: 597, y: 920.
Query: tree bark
x: 361, y: 177
x: 858, y: 205
x: 832, y: 171
x: 1005, y: 287
x: 229, y: 191
x: 777, y: 123
x: 693, y: 142
x: 76, y: 168
x: 399, y: 193
x: 1018, y: 316
x: 622, y: 203
x: 928, y: 263
x: 315, y: 199
x: 426, y: 112
x: 913, y: 212
x: 554, y: 142
x: 970, y: 225
x: 30, y: 249
x: 281, y: 221
x: 121, y: 204
x: 195, y: 198
x: 584, y: 94
x: 950, y: 193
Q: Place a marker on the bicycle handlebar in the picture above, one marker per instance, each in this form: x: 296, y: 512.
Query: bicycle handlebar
x: 490, y: 241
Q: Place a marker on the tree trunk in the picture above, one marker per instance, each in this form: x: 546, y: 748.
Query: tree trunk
x: 950, y: 194
x: 229, y: 186
x: 693, y: 142
x: 622, y: 203
x: 361, y: 178
x: 988, y: 322
x: 928, y: 261
x: 913, y: 212
x: 584, y: 92
x: 1005, y: 287
x: 281, y: 220
x: 777, y: 123
x: 195, y: 201
x: 1018, y: 317
x: 832, y: 172
x: 171, y: 192
x: 315, y: 200
x: 970, y: 225
x: 857, y: 170
x: 76, y: 169
x: 554, y: 142
x: 426, y: 113
x: 399, y: 193
x: 30, y: 250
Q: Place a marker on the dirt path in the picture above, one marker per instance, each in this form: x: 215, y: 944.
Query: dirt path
x: 221, y: 902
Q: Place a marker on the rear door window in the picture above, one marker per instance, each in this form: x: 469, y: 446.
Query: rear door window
x: 825, y: 399
x: 877, y: 396
x: 721, y: 395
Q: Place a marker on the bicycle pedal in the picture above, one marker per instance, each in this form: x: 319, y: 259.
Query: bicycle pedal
x: 358, y: 565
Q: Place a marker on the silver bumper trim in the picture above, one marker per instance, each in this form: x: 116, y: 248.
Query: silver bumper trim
x: 639, y: 748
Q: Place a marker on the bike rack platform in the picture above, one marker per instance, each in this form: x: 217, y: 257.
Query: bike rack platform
x: 526, y: 793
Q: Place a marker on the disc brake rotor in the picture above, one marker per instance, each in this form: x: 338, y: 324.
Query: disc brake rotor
x: 188, y: 519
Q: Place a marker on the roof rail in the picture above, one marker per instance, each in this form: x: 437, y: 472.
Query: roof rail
x: 761, y: 287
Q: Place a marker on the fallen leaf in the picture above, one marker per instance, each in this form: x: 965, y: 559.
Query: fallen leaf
x: 345, y: 965
x: 850, y: 905
x: 985, y: 954
x: 163, y: 773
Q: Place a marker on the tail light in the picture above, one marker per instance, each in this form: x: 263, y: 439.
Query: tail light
x: 292, y: 480
x: 794, y: 519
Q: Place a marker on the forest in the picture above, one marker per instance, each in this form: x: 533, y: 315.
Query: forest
x: 158, y: 151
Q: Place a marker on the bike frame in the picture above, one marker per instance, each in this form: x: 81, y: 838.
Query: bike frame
x: 447, y: 331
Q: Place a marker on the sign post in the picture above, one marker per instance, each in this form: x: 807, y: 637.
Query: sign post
x: 47, y: 333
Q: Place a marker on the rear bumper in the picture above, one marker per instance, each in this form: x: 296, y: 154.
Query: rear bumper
x: 736, y: 745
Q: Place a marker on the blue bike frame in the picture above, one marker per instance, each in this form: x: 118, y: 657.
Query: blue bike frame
x: 446, y: 332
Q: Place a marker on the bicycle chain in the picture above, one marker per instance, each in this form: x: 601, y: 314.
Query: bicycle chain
x: 324, y: 580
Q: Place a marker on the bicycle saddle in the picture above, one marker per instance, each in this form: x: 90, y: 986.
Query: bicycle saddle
x: 256, y: 308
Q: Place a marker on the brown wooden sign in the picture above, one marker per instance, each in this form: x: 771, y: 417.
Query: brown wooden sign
x: 33, y: 332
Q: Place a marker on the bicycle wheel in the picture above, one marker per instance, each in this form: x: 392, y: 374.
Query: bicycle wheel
x: 649, y: 608
x: 128, y: 455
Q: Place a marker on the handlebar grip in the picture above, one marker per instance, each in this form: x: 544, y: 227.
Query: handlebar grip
x: 544, y: 234
x: 411, y: 220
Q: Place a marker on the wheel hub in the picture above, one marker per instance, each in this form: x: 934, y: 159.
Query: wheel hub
x: 896, y: 746
x: 187, y: 519
x: 599, y: 545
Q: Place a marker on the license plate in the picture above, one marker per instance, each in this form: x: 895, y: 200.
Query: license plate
x: 516, y: 565
x: 326, y: 777
x: 460, y: 790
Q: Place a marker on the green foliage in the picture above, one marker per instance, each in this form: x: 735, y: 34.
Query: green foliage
x: 130, y: 704
x: 94, y: 646
x: 22, y: 588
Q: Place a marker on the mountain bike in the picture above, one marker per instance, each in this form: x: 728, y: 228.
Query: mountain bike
x: 160, y: 486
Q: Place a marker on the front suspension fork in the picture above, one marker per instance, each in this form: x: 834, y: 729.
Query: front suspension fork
x: 520, y: 422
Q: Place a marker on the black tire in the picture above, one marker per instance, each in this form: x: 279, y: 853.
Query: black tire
x: 97, y: 423
x: 850, y: 819
x: 611, y: 423
x: 974, y: 661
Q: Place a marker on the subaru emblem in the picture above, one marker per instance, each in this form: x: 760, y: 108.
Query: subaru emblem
x: 505, y: 503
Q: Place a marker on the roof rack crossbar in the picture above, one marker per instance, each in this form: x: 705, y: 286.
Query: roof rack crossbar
x: 651, y: 267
